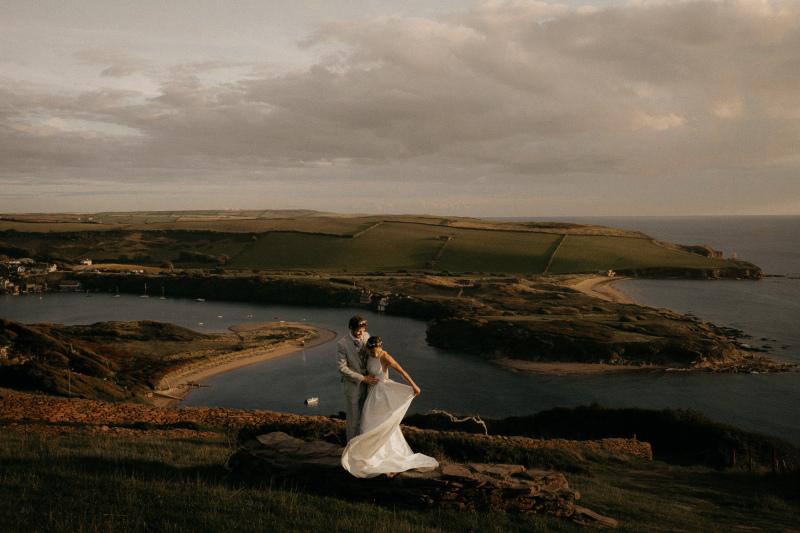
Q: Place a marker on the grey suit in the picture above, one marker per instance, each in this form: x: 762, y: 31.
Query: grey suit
x: 348, y: 361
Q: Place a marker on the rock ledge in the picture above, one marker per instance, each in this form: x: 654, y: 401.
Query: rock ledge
x: 316, y: 467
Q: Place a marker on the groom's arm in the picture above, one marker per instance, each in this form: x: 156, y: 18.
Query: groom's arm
x: 344, y: 368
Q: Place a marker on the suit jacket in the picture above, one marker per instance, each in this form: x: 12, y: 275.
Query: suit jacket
x: 348, y: 360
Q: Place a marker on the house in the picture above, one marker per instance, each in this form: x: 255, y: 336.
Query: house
x: 8, y: 286
x: 4, y: 351
x: 610, y: 273
x: 43, y: 269
x: 87, y: 262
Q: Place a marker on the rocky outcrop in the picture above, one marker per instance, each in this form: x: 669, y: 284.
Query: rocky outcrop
x: 316, y: 466
x: 743, y: 271
x: 584, y: 340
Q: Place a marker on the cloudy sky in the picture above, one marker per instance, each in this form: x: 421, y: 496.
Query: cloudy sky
x: 458, y: 107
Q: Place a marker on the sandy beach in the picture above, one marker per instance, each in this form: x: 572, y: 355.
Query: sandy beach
x: 174, y: 386
x: 603, y: 287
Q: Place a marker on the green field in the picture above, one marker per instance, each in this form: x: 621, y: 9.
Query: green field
x: 498, y: 251
x: 581, y: 253
x: 366, y: 243
x: 386, y: 247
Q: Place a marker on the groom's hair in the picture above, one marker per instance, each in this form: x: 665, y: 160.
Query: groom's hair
x: 357, y: 322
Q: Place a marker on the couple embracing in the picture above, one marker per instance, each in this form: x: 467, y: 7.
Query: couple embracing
x: 375, y: 406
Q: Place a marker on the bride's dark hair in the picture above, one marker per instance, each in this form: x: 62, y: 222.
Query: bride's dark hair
x: 374, y: 342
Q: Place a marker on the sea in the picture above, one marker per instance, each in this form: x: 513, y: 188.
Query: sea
x: 767, y: 310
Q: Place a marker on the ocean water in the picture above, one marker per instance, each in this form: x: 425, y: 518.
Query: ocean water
x: 767, y: 310
x: 460, y: 383
x: 450, y: 381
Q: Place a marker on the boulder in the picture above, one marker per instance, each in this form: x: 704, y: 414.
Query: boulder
x: 316, y: 467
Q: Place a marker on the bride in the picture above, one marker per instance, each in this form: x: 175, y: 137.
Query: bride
x: 381, y: 448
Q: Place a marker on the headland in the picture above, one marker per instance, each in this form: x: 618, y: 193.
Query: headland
x: 532, y: 297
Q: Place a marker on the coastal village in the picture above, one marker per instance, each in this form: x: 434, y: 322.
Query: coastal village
x: 26, y: 275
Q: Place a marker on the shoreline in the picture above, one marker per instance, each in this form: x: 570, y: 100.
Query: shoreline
x: 176, y: 385
x: 558, y: 369
x: 603, y: 287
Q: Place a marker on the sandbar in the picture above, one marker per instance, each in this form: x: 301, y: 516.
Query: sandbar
x: 603, y: 287
x: 174, y: 386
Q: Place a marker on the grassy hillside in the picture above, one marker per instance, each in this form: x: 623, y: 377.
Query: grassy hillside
x: 497, y: 251
x: 97, y: 483
x: 350, y: 243
x: 580, y: 253
x: 388, y: 246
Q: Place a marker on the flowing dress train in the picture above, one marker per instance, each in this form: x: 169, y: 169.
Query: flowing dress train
x: 381, y: 447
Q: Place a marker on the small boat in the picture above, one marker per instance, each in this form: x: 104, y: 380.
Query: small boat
x: 163, y: 296
x: 201, y: 300
x: 312, y: 401
x: 117, y: 295
x: 145, y: 292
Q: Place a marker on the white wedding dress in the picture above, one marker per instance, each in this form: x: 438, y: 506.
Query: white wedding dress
x: 381, y: 448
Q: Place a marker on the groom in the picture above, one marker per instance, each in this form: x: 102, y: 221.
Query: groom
x: 351, y: 361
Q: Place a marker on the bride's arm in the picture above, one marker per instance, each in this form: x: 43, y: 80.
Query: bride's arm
x: 389, y: 360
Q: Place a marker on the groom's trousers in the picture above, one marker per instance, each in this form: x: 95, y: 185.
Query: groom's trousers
x: 355, y: 395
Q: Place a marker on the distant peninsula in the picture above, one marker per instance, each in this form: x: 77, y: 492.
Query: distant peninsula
x: 531, y: 297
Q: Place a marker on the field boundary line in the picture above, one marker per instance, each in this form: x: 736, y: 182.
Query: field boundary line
x: 553, y: 255
x: 363, y: 231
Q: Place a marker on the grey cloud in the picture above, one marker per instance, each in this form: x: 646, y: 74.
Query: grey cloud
x: 524, y: 88
x: 118, y: 64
